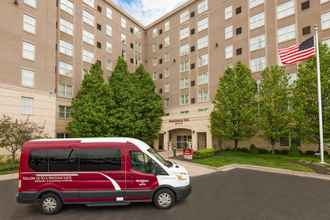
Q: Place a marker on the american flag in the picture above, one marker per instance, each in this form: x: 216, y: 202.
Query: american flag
x: 297, y: 53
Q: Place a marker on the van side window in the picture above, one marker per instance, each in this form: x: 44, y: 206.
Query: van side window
x: 38, y: 160
x: 101, y: 159
x: 143, y: 163
x: 63, y: 160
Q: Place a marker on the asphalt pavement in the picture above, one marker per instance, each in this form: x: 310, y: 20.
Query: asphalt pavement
x: 234, y: 195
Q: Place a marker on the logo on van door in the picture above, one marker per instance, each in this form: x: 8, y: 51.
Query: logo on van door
x: 142, y: 182
x: 53, y: 178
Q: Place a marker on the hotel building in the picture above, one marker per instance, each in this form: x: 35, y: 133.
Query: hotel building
x: 47, y: 46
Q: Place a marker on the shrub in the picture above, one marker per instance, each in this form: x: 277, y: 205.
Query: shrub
x: 282, y: 152
x: 262, y: 151
x: 205, y: 153
x: 244, y: 150
x: 310, y: 153
x: 253, y: 149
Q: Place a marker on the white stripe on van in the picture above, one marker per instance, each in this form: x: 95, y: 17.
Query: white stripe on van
x: 114, y: 183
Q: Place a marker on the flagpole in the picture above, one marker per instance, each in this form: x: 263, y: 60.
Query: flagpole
x: 319, y: 92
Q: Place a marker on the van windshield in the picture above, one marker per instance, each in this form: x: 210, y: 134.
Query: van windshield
x: 160, y: 158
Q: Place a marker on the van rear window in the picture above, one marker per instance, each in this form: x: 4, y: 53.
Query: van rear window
x: 66, y: 160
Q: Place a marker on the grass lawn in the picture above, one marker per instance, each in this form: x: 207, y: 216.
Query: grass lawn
x: 267, y: 160
x: 9, y: 167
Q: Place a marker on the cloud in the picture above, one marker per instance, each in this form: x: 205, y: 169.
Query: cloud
x: 147, y: 11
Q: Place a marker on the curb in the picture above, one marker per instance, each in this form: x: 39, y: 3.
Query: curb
x: 274, y: 170
x: 9, y: 176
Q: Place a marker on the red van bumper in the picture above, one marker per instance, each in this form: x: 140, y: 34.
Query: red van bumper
x: 26, y: 197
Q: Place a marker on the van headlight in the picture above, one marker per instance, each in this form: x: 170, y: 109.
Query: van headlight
x: 181, y: 177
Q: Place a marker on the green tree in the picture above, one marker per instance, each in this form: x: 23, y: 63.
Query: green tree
x: 146, y: 106
x: 135, y: 109
x: 305, y: 98
x: 235, y: 109
x: 89, y: 107
x: 14, y: 133
x: 274, y: 104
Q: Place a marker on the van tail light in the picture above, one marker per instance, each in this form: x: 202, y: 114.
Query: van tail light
x: 19, y: 184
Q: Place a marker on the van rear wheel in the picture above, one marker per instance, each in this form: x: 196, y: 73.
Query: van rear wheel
x: 164, y: 199
x: 50, y: 204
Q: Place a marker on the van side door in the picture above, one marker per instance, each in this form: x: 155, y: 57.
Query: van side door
x: 102, y: 173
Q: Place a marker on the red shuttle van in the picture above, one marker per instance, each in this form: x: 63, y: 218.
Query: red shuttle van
x: 98, y: 172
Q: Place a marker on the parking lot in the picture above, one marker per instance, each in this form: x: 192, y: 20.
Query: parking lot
x: 237, y: 194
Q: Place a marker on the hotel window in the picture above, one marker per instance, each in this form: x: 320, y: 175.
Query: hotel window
x: 109, y: 65
x: 286, y: 9
x: 184, y: 17
x: 167, y: 88
x: 31, y: 3
x: 154, y: 61
x: 229, y: 32
x: 88, y: 37
x: 123, y: 22
x: 167, y: 41
x: 66, y: 48
x: 154, y: 76
x: 155, y: 32
x: 108, y: 47
x: 184, y: 64
x: 29, y: 24
x: 203, y: 60
x: 88, y: 56
x: 184, y: 99
x: 108, y: 30
x: 27, y: 78
x: 258, y: 64
x: 228, y: 12
x: 64, y: 112
x: 203, y: 24
x: 88, y: 18
x: 89, y: 2
x: 167, y: 73
x: 203, y: 78
x: 184, y: 50
x: 28, y: 51
x: 167, y: 26
x: 257, y: 43
x: 229, y: 52
x: 324, y: 1
x: 325, y: 21
x: 66, y: 27
x: 65, y: 69
x: 184, y: 33
x: 26, y: 105
x: 154, y: 48
x: 123, y: 39
x: 184, y: 83
x: 203, y: 95
x: 67, y: 6
x: 166, y: 57
x: 255, y: 3
x: 203, y: 42
x: 257, y: 21
x: 286, y: 33
x: 109, y: 13
x: 65, y: 90
x: 202, y: 7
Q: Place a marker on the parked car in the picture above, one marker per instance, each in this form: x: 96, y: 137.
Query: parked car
x: 98, y: 172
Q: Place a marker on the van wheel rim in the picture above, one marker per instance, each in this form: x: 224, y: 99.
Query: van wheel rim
x: 49, y: 204
x: 164, y: 199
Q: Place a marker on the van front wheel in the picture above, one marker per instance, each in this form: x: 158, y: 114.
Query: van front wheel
x: 50, y: 204
x: 164, y: 199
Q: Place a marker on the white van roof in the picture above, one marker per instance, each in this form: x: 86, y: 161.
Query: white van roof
x: 134, y: 141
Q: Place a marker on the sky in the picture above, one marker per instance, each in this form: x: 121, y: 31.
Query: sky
x: 147, y: 11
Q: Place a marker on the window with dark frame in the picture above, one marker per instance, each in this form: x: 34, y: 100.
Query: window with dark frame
x: 192, y: 14
x: 238, y: 30
x: 192, y: 31
x: 99, y: 27
x: 238, y: 51
x: 99, y: 8
x: 99, y: 45
x: 192, y: 48
x: 305, y: 5
x: 306, y: 30
x: 238, y: 10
